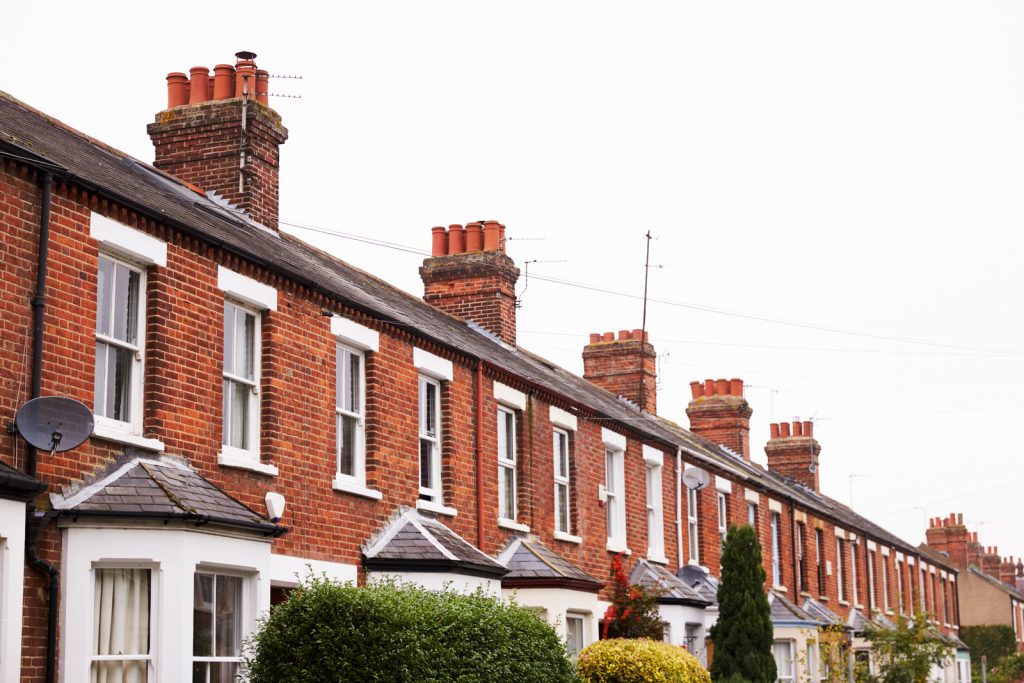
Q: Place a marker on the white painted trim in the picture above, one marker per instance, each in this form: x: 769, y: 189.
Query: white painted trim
x: 942, y: 573
x: 872, y: 545
x: 568, y: 538
x: 752, y: 496
x: 725, y: 486
x: 286, y: 570
x: 563, y: 419
x: 127, y: 242
x: 899, y: 556
x: 800, y: 516
x: 354, y: 334
x: 350, y: 485
x: 613, y: 439
x: 774, y: 506
x: 512, y: 525
x: 110, y: 430
x: 247, y: 290
x: 652, y: 456
x: 852, y: 536
x: 436, y: 508
x: 239, y: 459
x: 885, y: 551
x: 506, y: 395
x: 615, y: 548
x: 431, y: 365
x: 911, y: 561
x: 505, y: 555
x: 12, y: 573
x: 841, y: 533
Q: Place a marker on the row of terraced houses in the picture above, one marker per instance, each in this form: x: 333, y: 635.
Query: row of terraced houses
x: 233, y: 369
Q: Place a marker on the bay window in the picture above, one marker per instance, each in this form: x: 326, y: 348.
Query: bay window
x: 122, y: 641
x: 216, y: 627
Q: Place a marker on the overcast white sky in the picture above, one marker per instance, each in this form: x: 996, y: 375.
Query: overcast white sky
x: 853, y: 166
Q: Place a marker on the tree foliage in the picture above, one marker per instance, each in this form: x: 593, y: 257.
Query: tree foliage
x: 994, y: 642
x: 634, y: 610
x: 907, y: 653
x: 638, y: 660
x: 743, y: 633
x: 390, y: 632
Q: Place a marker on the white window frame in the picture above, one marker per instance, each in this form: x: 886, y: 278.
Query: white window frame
x: 559, y: 448
x: 507, y: 463
x: 653, y: 473
x: 244, y: 618
x: 792, y: 662
x: 839, y: 572
x: 885, y: 581
x: 899, y: 585
x: 250, y: 455
x: 693, y: 525
x: 615, y: 492
x: 580, y: 620
x: 800, y: 578
x: 872, y: 556
x: 819, y: 562
x: 430, y: 494
x: 752, y: 515
x: 154, y: 616
x: 127, y: 431
x: 853, y: 573
x: 355, y: 482
x: 723, y: 518
x: 776, y: 520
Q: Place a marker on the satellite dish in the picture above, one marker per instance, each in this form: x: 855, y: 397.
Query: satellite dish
x: 695, y: 478
x: 54, y: 423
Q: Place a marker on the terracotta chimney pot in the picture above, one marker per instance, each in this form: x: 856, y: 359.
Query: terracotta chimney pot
x: 639, y: 334
x: 595, y: 337
x: 773, y: 428
x: 474, y: 237
x: 709, y: 387
x: 784, y: 428
x: 808, y: 428
x: 697, y: 389
x: 223, y: 82
x: 199, y: 84
x: 438, y: 241
x: 608, y: 336
x: 492, y: 236
x: 245, y: 78
x: 456, y: 239
x: 177, y: 89
x: 722, y: 387
x: 798, y: 428
x: 263, y: 87
x: 501, y: 237
x: 625, y: 335
x: 736, y: 386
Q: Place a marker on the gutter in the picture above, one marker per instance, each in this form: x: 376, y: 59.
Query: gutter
x: 266, y: 528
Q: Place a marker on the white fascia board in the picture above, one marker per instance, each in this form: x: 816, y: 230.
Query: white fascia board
x: 752, y: 496
x: 563, y: 419
x: 123, y: 240
x: 354, y: 334
x: 247, y: 290
x: 506, y: 395
x: 652, y: 456
x: 613, y: 439
x: 435, y: 366
x: 723, y: 484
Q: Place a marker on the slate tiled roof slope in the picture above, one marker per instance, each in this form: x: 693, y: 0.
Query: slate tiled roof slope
x: 786, y: 613
x: 161, y: 487
x: 16, y: 485
x: 531, y: 563
x: 28, y: 133
x: 667, y: 586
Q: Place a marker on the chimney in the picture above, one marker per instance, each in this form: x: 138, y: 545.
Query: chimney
x: 720, y: 414
x: 469, y: 276
x: 949, y: 535
x: 219, y: 134
x: 625, y: 366
x: 1007, y: 571
x: 1019, y: 575
x: 990, y: 561
x: 794, y: 452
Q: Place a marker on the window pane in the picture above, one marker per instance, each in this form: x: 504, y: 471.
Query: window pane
x: 426, y: 450
x: 121, y: 612
x: 202, y: 616
x: 120, y: 383
x: 562, y: 453
x: 339, y: 378
x: 226, y: 413
x: 126, y: 304
x: 241, y: 395
x: 229, y: 338
x: 609, y: 471
x: 228, y: 627
x: 347, y: 427
x: 355, y: 382
x: 104, y: 285
x: 100, y: 380
x: 508, y: 490
x: 502, y: 436
x: 126, y: 672
x: 429, y: 409
x: 562, y: 492
x: 245, y: 328
x: 223, y: 672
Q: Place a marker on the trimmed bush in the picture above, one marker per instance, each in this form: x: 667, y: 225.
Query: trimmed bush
x: 638, y: 660
x: 401, y: 633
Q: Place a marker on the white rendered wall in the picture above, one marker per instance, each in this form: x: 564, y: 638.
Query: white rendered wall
x: 437, y: 581
x: 286, y: 570
x: 12, y: 576
x: 677, y: 617
x: 556, y: 602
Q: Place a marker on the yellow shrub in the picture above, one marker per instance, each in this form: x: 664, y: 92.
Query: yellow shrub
x: 639, y: 660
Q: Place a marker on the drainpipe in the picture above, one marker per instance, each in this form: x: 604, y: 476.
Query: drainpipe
x: 36, y: 522
x: 480, y: 455
x: 679, y: 508
x: 792, y: 546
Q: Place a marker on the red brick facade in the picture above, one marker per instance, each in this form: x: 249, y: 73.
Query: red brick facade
x: 625, y: 366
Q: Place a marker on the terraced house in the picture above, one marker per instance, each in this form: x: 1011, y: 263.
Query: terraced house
x: 233, y: 369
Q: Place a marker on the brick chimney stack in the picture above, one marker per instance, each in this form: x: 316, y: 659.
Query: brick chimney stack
x: 220, y: 135
x: 1019, y: 575
x: 949, y: 535
x: 625, y: 366
x: 469, y: 276
x: 793, y: 452
x: 1008, y: 571
x: 990, y: 561
x: 720, y: 414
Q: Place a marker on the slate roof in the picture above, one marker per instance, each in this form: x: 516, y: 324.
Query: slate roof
x: 822, y: 613
x: 858, y: 621
x: 1005, y: 587
x: 531, y: 564
x: 25, y: 132
x: 16, y: 485
x: 705, y: 585
x: 786, y: 613
x: 412, y: 541
x: 160, y: 487
x: 669, y: 587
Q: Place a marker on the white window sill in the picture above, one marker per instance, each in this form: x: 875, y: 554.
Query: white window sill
x: 355, y: 488
x: 858, y: 606
x: 436, y: 508
x: 660, y: 559
x: 618, y: 548
x: 245, y: 462
x: 568, y: 538
x: 105, y: 430
x: 844, y: 602
x: 781, y: 589
x: 513, y: 525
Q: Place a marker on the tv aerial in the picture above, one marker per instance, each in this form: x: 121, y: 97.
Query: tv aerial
x: 695, y: 478
x: 54, y: 423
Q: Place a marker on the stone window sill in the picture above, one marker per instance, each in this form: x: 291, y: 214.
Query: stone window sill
x: 245, y: 462
x: 355, y: 488
x: 513, y: 525
x: 568, y: 538
x: 109, y: 432
x: 436, y: 508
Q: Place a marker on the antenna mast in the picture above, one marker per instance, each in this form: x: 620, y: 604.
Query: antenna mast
x: 643, y: 326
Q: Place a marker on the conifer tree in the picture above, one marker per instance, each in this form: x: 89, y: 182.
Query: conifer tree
x: 742, y: 636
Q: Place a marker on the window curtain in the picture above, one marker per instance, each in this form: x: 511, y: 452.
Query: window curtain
x: 121, y: 624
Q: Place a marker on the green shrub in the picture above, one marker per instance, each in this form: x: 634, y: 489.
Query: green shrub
x: 401, y: 633
x: 638, y: 660
x: 994, y: 642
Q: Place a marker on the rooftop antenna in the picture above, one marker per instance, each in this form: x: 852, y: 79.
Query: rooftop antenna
x: 526, y: 272
x: 643, y: 325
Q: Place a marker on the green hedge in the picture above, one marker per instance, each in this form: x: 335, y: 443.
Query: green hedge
x: 401, y: 633
x: 639, y: 660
